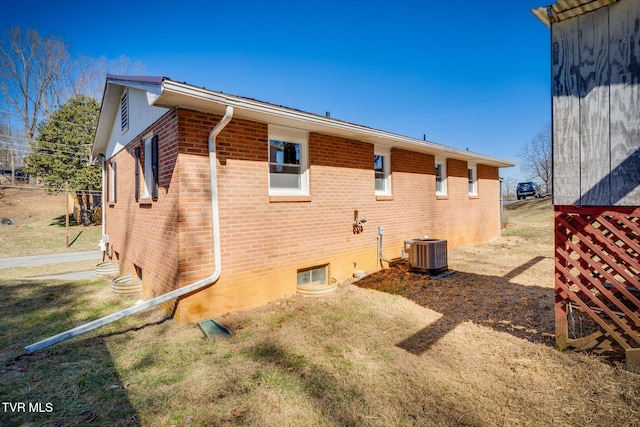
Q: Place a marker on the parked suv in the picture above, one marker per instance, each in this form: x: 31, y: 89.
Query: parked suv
x: 525, y: 189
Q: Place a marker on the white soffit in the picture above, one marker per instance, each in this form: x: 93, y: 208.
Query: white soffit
x: 176, y: 94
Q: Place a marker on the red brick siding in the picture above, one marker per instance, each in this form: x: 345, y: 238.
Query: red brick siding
x: 265, y: 243
x: 145, y: 234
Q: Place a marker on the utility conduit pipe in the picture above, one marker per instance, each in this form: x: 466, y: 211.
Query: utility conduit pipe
x: 381, y: 258
x: 215, y: 223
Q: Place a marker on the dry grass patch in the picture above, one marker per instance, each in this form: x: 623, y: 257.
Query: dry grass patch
x: 476, y: 352
x: 39, y: 226
x: 47, y: 270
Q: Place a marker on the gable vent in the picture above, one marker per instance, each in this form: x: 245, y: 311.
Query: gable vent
x: 124, y: 111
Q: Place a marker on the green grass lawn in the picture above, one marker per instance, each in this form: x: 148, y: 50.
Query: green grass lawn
x: 47, y: 236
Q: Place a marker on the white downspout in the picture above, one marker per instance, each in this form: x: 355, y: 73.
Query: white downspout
x: 215, y: 208
x: 102, y: 244
x: 215, y: 223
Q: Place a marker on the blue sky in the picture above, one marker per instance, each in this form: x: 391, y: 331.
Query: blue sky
x: 467, y: 74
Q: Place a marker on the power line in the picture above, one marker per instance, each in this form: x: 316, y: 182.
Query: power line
x: 49, y: 120
x: 25, y: 140
x: 69, y: 155
x: 20, y: 187
x: 50, y: 146
x: 49, y: 151
x: 45, y: 150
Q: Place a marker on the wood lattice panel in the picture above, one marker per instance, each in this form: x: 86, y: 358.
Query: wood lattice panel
x: 597, y: 273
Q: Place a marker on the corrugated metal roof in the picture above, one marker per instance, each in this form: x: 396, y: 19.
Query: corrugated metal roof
x: 565, y: 9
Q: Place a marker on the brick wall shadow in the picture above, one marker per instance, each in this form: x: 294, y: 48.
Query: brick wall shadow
x: 75, y: 383
x: 525, y: 312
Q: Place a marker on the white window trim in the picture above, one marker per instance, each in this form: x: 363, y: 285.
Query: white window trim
x: 442, y: 161
x: 297, y: 136
x: 386, y: 165
x: 147, y: 167
x: 473, y: 189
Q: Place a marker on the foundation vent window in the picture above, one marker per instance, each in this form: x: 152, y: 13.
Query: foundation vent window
x: 315, y: 281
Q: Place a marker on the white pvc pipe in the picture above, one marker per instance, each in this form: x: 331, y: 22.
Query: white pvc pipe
x: 102, y: 245
x: 380, y: 256
x: 215, y: 223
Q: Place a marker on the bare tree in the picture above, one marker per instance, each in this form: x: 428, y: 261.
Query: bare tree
x: 509, y: 187
x: 123, y: 65
x: 536, y: 157
x: 34, y: 75
x: 37, y: 76
x: 4, y: 147
x: 90, y: 73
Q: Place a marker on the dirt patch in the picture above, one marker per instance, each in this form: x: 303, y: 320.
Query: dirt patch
x: 38, y: 224
x: 523, y: 311
x: 25, y: 205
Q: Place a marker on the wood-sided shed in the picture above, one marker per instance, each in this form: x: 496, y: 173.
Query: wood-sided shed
x: 595, y: 73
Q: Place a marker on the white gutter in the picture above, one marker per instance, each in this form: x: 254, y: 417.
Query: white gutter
x: 215, y: 223
x: 313, y: 122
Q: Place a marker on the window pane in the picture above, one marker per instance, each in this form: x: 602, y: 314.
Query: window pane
x: 380, y: 173
x: 313, y: 276
x: 378, y: 163
x: 319, y: 276
x: 284, y: 152
x: 284, y: 176
x: 304, y: 277
x: 284, y: 161
x: 472, y: 181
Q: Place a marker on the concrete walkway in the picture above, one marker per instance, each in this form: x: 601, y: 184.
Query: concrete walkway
x: 35, y: 260
x: 30, y: 261
x: 78, y: 275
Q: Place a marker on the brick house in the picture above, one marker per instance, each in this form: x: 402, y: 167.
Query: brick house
x: 288, y: 187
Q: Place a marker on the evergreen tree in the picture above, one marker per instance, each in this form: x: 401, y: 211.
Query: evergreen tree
x: 61, y: 152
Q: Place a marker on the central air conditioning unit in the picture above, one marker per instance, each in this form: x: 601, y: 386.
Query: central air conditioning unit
x: 428, y: 255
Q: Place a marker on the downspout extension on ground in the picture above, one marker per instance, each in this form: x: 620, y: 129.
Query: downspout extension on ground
x: 215, y: 222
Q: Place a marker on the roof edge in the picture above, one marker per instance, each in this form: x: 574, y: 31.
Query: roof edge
x: 566, y: 9
x: 152, y: 80
x: 248, y: 104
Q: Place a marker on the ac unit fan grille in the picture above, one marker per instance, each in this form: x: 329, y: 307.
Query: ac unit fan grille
x: 429, y: 255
